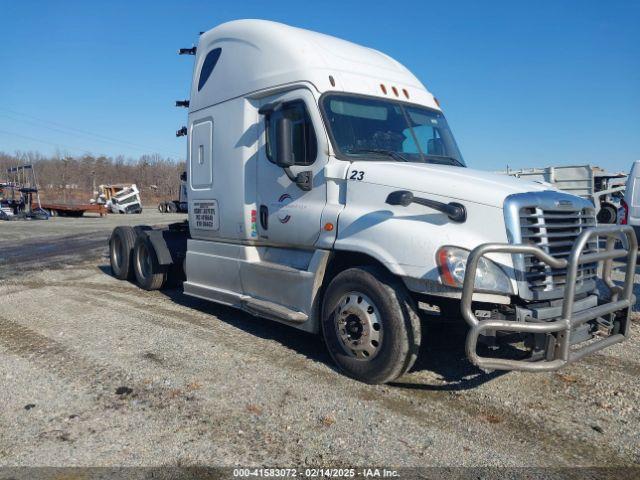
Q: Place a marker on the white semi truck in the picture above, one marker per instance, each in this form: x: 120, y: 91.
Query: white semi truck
x: 326, y: 191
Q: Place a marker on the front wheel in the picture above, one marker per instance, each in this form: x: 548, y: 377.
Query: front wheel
x: 370, y: 325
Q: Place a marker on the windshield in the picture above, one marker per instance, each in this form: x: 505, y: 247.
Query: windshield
x: 363, y: 127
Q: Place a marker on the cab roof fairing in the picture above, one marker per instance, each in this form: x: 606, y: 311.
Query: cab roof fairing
x: 259, y: 54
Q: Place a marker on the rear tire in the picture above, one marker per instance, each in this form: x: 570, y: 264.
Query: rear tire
x: 121, y: 252
x: 162, y: 207
x: 172, y: 207
x: 150, y: 275
x: 370, y: 324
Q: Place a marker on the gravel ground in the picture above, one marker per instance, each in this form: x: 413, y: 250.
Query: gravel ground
x: 97, y: 372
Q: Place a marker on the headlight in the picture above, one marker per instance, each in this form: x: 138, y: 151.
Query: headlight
x: 452, y: 262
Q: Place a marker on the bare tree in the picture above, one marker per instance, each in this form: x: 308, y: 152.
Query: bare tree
x: 67, y: 178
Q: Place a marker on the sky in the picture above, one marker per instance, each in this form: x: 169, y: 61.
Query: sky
x: 522, y: 83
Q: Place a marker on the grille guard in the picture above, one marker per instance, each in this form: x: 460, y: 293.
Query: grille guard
x: 621, y: 299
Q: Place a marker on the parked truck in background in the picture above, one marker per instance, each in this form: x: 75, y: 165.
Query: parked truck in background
x: 180, y: 205
x: 604, y: 189
x: 326, y: 191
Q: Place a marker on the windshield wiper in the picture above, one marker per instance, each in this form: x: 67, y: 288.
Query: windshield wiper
x: 381, y: 151
x: 453, y: 159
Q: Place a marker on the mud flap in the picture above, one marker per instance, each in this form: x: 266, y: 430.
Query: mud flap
x: 170, y: 246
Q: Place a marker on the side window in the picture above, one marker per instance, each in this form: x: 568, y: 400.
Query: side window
x: 305, y: 146
x: 207, y: 66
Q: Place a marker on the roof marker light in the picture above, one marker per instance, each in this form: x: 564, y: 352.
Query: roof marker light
x: 406, y: 93
x: 332, y: 81
x: 395, y: 91
x: 436, y: 100
x: 383, y: 88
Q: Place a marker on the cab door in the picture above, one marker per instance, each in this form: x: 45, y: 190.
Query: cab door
x: 288, y: 215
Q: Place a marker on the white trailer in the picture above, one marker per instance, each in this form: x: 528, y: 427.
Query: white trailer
x: 326, y: 191
x: 604, y: 189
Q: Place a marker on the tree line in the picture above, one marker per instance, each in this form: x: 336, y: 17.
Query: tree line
x: 69, y: 178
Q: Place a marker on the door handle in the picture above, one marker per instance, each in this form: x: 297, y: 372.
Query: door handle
x: 264, y: 217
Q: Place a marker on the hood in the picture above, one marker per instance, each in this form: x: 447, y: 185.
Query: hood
x: 452, y: 182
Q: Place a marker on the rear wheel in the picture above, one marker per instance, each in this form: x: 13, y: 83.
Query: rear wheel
x: 162, y: 207
x: 607, y: 214
x: 172, y: 207
x: 121, y: 252
x: 370, y: 325
x: 150, y: 275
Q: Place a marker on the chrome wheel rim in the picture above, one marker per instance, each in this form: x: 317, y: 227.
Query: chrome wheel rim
x: 358, y: 326
x: 144, y: 261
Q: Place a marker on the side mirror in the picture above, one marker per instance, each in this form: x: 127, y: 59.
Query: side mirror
x: 435, y: 146
x: 284, y: 143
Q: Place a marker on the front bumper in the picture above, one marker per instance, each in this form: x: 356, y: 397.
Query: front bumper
x: 569, y: 320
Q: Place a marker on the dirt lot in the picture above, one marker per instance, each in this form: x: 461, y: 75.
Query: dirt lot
x: 97, y: 372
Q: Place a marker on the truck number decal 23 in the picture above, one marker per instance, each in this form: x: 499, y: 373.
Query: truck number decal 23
x: 356, y: 175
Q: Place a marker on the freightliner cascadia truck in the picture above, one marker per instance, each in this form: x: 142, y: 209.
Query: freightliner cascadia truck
x: 326, y: 191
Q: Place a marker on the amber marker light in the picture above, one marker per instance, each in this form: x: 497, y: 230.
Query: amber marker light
x: 328, y: 227
x: 445, y: 273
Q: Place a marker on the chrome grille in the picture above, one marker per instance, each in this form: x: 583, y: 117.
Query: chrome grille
x: 555, y: 231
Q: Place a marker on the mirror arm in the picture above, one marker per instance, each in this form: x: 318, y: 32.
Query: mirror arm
x: 455, y: 211
x: 302, y: 179
x: 290, y: 174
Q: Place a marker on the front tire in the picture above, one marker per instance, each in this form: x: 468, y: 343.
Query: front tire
x: 150, y: 275
x: 370, y: 325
